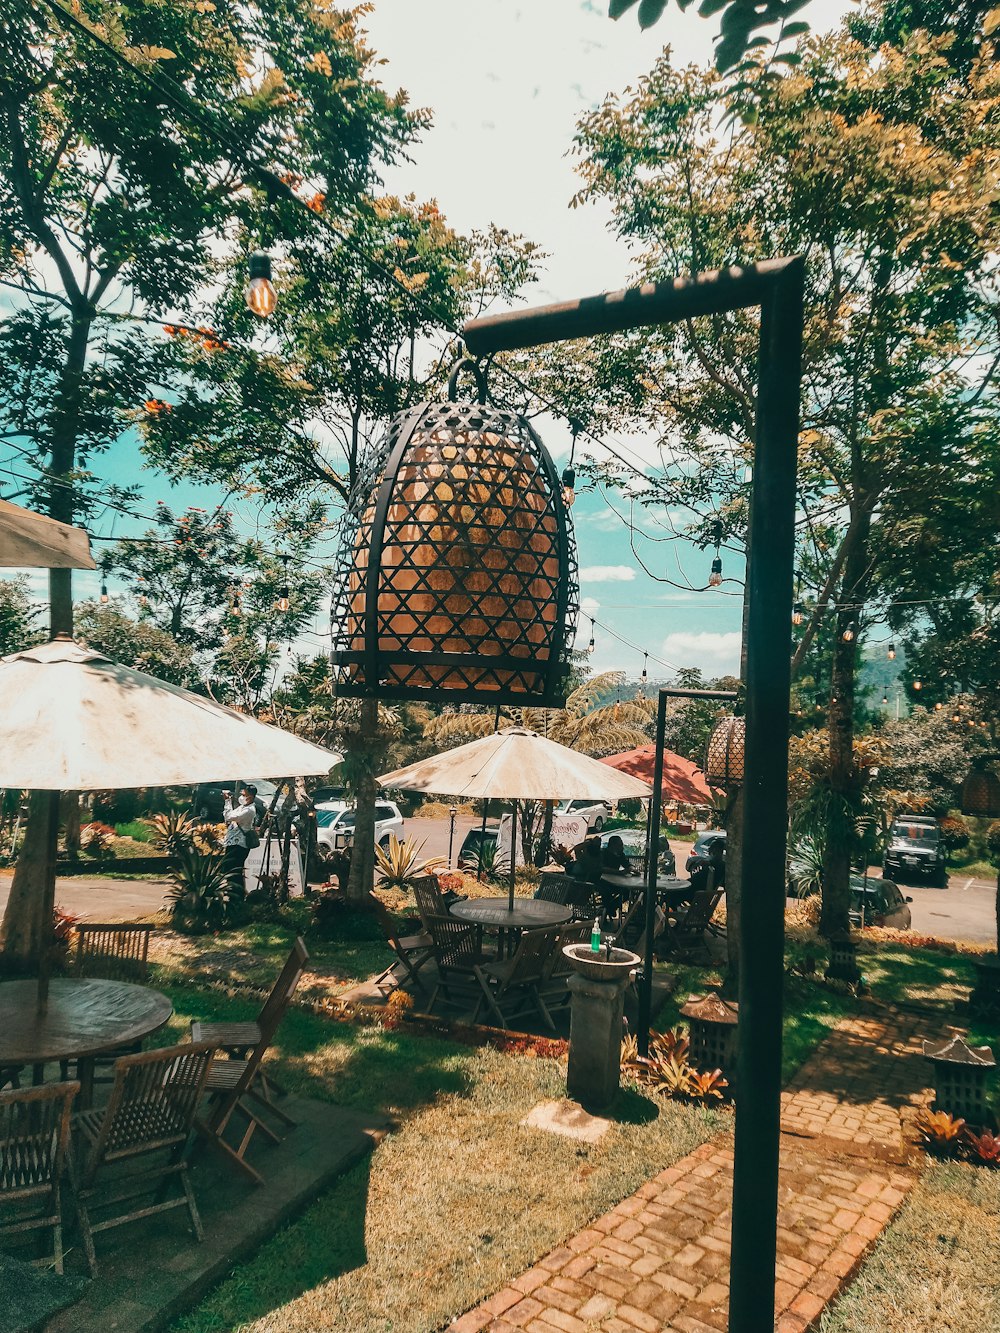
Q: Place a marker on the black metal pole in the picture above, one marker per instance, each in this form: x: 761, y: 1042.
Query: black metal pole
x: 451, y: 834
x: 513, y: 853
x: 652, y: 864
x: 777, y: 287
x: 762, y: 924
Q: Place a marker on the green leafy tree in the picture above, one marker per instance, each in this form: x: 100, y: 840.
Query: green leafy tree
x: 18, y: 616
x: 108, y: 629
x: 878, y: 165
x: 115, y: 197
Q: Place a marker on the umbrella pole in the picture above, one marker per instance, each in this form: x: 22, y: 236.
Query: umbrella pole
x: 513, y: 854
x: 48, y: 903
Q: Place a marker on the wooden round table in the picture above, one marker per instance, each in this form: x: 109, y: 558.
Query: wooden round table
x: 527, y: 914
x: 85, y: 1017
x: 670, y: 891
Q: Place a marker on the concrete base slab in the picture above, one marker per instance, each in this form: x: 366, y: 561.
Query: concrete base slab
x: 568, y: 1119
x: 153, y: 1270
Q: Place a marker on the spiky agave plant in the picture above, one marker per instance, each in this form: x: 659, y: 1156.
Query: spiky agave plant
x: 200, y: 894
x: 399, y: 864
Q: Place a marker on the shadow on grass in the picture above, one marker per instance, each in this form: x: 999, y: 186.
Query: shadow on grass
x: 351, y: 1064
x: 327, y: 1241
x: 632, y: 1107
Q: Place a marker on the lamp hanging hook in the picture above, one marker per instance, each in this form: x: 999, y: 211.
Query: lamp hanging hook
x: 467, y: 363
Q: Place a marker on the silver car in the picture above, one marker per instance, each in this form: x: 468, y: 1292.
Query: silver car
x: 335, y: 825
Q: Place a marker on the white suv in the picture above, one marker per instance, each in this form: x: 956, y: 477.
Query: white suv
x: 595, y: 812
x: 335, y: 825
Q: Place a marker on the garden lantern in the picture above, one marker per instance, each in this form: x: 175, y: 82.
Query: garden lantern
x: 843, y: 965
x: 457, y: 573
x: 981, y: 794
x: 960, y: 1073
x: 713, y: 1026
x: 724, y: 761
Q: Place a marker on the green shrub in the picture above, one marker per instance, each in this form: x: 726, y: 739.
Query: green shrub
x: 955, y: 833
x: 201, y: 897
x: 993, y: 842
x: 136, y: 829
x: 332, y: 917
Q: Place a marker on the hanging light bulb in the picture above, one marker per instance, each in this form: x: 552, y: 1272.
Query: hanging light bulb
x: 797, y: 613
x: 938, y: 706
x: 885, y: 698
x: 261, y: 296
x: 956, y: 717
x: 644, y: 678
x: 568, y: 486
x: 591, y: 645
x: 282, y: 603
x: 104, y: 593
x: 715, y: 578
x: 918, y: 685
x: 891, y: 652
x: 849, y: 632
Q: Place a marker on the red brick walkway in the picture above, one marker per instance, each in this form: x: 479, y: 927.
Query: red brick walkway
x: 660, y: 1260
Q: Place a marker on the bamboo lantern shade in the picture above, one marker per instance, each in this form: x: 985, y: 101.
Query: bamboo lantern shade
x: 981, y: 794
x: 724, y: 762
x: 457, y: 576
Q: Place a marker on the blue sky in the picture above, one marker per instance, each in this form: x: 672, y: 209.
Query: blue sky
x: 506, y: 81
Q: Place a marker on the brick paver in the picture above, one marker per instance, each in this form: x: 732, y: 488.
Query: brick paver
x: 660, y: 1259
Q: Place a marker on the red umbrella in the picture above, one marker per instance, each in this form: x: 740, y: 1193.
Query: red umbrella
x: 683, y: 781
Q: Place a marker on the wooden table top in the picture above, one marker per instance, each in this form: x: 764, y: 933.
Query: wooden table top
x: 84, y: 1017
x: 667, y: 886
x: 527, y: 912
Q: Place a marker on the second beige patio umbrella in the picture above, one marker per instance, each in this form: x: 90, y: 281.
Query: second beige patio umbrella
x: 71, y: 719
x: 520, y: 765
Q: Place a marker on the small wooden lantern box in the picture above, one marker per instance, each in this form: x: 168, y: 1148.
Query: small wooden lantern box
x: 960, y: 1073
x: 714, y: 1029
x: 843, y: 960
x: 724, y: 760
x: 985, y: 998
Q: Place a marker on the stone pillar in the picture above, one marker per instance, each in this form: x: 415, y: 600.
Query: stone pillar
x: 595, y: 1040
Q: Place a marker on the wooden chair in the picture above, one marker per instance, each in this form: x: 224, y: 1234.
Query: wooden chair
x: 685, y: 934
x: 508, y: 986
x: 555, y: 888
x: 34, y: 1138
x: 149, y: 1115
x: 114, y: 952
x: 430, y: 900
x: 457, y: 954
x: 412, y: 951
x: 558, y: 970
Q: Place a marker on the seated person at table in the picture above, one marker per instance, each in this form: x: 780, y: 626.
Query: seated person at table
x: 710, y: 872
x: 613, y: 858
x: 586, y: 863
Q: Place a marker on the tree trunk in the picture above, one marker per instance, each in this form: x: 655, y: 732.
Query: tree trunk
x: 71, y: 824
x: 734, y: 895
x: 835, y: 914
x: 21, y: 934
x: 362, y: 876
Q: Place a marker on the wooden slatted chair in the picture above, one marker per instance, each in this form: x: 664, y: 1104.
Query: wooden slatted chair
x: 685, y: 934
x: 509, y: 986
x: 412, y: 951
x: 555, y: 888
x: 149, y: 1115
x: 558, y: 970
x: 239, y: 1039
x: 114, y: 952
x: 430, y: 899
x: 238, y: 1093
x: 34, y: 1139
x: 457, y: 954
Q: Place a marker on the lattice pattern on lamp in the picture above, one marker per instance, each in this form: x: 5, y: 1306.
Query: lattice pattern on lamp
x: 457, y: 571
x: 724, y: 762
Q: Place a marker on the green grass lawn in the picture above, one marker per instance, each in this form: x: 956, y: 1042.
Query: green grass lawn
x: 459, y: 1199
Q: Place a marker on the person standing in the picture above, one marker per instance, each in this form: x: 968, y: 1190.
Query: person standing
x: 239, y: 821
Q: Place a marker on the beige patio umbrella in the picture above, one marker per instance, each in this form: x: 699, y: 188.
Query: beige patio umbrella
x: 71, y: 719
x: 28, y: 539
x: 520, y: 765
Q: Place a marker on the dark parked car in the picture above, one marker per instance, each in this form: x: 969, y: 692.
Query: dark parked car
x: 702, y: 847
x: 207, y: 801
x: 915, y: 849
x: 878, y: 902
x: 468, y: 856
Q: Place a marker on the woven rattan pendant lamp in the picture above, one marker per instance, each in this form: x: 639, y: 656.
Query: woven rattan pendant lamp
x: 457, y: 574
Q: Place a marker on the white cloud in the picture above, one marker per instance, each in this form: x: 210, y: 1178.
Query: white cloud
x: 607, y: 574
x: 716, y: 653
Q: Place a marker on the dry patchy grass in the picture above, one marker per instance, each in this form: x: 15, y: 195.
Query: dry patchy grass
x: 937, y: 1267
x: 457, y: 1202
